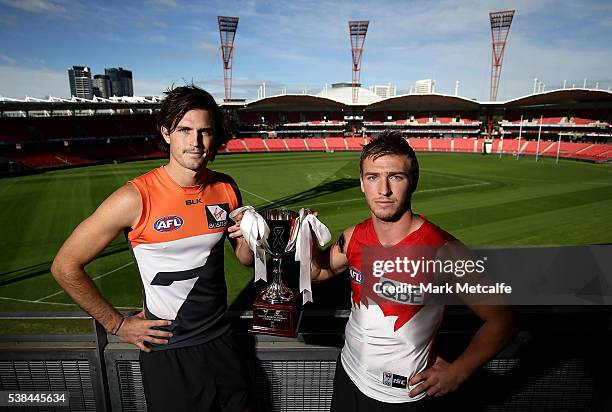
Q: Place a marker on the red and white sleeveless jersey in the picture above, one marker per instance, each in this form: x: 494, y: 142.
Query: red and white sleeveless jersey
x: 178, y: 245
x: 386, y: 342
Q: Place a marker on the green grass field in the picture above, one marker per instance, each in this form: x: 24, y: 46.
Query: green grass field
x: 481, y: 200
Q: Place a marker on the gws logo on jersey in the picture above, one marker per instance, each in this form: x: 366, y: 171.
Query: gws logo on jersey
x: 168, y: 223
x: 356, y: 275
x: 395, y: 381
x: 216, y: 215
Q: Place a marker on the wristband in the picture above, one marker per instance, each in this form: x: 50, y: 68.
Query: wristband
x: 119, y: 327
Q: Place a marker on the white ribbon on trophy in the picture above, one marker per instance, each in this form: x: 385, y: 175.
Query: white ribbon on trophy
x: 302, y: 248
x: 255, y: 231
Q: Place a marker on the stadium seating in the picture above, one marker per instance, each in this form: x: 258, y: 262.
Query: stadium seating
x: 463, y: 145
x: 592, y: 152
x: 296, y: 144
x: 82, y: 139
x: 355, y: 143
x: 441, y: 145
x: 507, y: 146
x: 235, y: 146
x: 419, y: 144
x: 277, y: 145
x: 336, y: 143
x: 568, y: 149
x: 255, y: 144
x: 315, y: 144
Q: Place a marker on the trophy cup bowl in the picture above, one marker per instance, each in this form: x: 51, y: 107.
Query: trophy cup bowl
x: 276, y: 311
x: 281, y: 240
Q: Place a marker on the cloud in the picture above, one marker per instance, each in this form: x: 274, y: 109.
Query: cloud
x: 157, y: 38
x: 208, y: 47
x: 150, y: 87
x: 54, y: 7
x: 148, y: 22
x: 7, y: 59
x: 17, y: 82
x: 163, y: 3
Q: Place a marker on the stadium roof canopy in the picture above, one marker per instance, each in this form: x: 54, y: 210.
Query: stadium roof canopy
x: 425, y: 102
x: 562, y: 97
x: 76, y: 103
x: 295, y: 102
x: 343, y: 93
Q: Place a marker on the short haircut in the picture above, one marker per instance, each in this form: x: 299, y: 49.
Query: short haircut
x: 179, y: 101
x: 391, y: 142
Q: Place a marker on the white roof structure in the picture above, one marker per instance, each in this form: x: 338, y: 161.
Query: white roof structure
x: 343, y: 93
x: 95, y: 99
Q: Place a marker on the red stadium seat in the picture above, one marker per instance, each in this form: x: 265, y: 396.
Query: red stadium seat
x: 277, y: 145
x: 464, y: 145
x: 316, y: 144
x: 255, y: 144
x: 441, y: 145
x: 419, y: 144
x: 355, y: 143
x: 236, y: 145
x: 296, y: 144
x: 336, y: 143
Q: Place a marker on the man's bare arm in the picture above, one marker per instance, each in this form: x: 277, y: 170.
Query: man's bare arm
x: 497, y: 330
x: 243, y: 252
x: 119, y: 211
x: 331, y: 261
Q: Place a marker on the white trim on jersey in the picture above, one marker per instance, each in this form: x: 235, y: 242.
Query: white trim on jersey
x: 176, y: 255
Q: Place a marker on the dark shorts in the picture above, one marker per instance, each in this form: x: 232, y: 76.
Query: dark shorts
x: 212, y: 376
x: 347, y: 397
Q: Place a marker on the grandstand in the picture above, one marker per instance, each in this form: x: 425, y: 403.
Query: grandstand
x: 570, y: 123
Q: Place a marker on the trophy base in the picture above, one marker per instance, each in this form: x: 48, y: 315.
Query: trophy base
x: 277, y: 319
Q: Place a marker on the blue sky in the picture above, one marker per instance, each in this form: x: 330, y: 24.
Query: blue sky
x: 297, y: 44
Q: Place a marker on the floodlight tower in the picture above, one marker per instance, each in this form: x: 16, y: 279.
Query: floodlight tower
x: 357, y: 31
x: 500, y: 27
x: 227, y: 31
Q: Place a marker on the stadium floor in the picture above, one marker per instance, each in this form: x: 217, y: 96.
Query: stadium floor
x: 482, y: 200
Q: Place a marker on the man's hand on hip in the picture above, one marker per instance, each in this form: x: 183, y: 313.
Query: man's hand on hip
x: 137, y: 330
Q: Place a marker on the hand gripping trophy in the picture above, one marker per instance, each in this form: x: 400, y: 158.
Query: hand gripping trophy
x: 277, y: 310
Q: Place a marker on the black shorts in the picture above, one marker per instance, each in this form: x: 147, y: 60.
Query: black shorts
x: 347, y: 397
x: 212, y: 376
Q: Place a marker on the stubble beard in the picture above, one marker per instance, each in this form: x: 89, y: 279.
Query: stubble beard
x: 391, y: 216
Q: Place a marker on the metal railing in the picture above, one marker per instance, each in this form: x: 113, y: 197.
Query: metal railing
x: 535, y: 372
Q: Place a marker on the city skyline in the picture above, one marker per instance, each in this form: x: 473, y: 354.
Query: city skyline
x: 301, y: 45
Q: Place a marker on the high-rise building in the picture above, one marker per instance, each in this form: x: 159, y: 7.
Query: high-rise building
x: 383, y: 91
x: 80, y: 82
x: 120, y: 81
x: 425, y: 86
x: 101, y: 86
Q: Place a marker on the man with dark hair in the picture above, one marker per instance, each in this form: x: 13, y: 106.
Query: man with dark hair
x: 388, y: 362
x: 176, y: 218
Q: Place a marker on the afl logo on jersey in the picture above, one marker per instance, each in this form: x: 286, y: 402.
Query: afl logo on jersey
x: 356, y: 276
x: 168, y: 223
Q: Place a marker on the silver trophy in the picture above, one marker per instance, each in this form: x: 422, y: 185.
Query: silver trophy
x: 284, y: 226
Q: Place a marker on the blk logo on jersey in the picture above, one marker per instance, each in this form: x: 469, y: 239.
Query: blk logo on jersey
x: 356, y: 275
x: 168, y: 223
x: 190, y: 202
x: 395, y: 381
x: 216, y: 215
